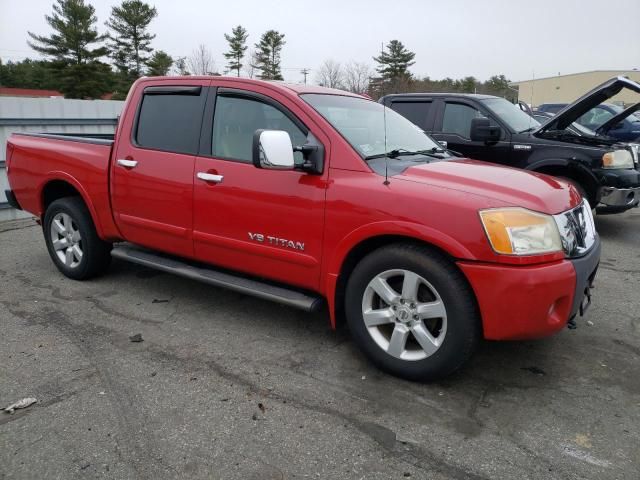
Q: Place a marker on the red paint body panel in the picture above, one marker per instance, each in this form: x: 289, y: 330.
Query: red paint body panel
x: 161, y: 204
x: 522, y: 302
x: 37, y: 161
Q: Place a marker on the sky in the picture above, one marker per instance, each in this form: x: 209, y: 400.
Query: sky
x: 451, y: 38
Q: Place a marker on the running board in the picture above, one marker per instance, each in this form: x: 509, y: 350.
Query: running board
x: 210, y: 275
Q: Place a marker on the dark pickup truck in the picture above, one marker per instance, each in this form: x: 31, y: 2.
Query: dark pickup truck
x: 492, y: 129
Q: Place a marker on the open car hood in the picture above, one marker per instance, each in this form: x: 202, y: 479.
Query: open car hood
x: 616, y: 119
x: 598, y: 95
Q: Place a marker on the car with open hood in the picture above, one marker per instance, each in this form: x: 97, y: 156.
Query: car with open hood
x: 606, y: 119
x: 492, y: 129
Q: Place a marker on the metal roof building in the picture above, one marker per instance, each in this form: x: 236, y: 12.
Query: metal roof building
x: 50, y: 115
x: 567, y: 88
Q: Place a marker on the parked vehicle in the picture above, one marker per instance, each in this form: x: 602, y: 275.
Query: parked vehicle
x: 574, y: 128
x: 626, y: 127
x: 551, y: 108
x: 492, y: 129
x: 306, y: 195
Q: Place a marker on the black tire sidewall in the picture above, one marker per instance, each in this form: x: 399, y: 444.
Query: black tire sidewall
x: 463, y: 325
x: 93, y: 248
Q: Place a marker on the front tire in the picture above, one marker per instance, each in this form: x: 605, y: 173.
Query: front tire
x: 412, y: 312
x: 72, y: 241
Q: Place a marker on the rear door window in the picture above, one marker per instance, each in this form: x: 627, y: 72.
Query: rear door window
x: 416, y: 112
x: 171, y: 121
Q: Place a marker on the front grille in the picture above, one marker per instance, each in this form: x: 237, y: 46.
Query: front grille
x: 577, y: 230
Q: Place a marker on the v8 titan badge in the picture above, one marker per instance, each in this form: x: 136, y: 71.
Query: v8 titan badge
x: 276, y: 241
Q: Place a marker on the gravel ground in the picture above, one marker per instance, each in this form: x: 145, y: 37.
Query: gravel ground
x: 227, y: 386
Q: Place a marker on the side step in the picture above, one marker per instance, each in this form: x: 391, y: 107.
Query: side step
x: 210, y: 275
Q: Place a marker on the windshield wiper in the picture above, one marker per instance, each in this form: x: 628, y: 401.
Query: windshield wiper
x: 530, y: 129
x: 401, y: 152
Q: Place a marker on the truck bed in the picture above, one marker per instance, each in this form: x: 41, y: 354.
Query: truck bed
x: 39, y: 161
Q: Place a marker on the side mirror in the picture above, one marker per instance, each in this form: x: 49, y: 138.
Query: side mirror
x: 443, y: 143
x: 483, y: 131
x: 272, y: 149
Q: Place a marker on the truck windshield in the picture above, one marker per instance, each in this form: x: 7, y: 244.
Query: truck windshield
x: 517, y: 120
x: 362, y: 123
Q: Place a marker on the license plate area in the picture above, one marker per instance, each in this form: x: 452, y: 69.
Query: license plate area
x: 586, y: 298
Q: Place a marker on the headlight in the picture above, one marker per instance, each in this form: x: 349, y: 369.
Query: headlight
x: 518, y: 231
x: 617, y: 159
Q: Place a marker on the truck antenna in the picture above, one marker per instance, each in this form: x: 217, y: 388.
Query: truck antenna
x: 386, y: 159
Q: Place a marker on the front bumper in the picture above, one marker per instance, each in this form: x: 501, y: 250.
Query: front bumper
x: 526, y: 302
x: 619, y: 197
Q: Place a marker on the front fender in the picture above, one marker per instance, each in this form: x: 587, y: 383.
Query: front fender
x: 394, y: 228
x: 379, y: 229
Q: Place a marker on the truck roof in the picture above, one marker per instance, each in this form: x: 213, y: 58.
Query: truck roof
x: 297, y: 88
x: 477, y: 96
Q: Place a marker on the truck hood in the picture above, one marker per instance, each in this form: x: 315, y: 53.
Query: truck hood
x: 616, y: 119
x: 598, y: 95
x: 508, y: 186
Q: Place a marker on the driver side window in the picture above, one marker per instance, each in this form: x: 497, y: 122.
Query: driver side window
x: 237, y: 118
x: 457, y: 119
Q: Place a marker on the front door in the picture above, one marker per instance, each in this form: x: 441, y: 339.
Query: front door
x: 454, y: 127
x: 265, y: 222
x: 152, y: 172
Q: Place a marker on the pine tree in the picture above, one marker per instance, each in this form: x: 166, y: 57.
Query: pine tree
x: 74, y: 48
x: 130, y: 41
x: 159, y: 64
x: 268, y: 55
x: 395, y: 62
x: 237, y: 46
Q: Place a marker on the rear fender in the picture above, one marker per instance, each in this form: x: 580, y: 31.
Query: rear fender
x: 65, y: 177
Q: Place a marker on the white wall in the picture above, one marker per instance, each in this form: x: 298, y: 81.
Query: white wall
x: 49, y: 115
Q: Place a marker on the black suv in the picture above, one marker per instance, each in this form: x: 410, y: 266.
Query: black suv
x: 492, y: 129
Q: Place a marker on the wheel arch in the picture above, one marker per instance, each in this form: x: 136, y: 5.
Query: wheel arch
x: 347, y: 258
x: 572, y: 170
x: 60, y: 185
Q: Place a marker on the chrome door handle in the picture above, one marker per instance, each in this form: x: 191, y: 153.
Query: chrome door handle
x: 209, y: 177
x: 127, y: 163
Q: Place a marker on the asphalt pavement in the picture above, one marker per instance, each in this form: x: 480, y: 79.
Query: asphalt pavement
x: 227, y: 386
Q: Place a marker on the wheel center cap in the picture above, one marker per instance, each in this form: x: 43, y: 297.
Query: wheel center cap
x: 403, y: 314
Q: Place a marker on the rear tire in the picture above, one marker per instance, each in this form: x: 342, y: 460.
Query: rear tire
x: 412, y: 312
x: 72, y: 241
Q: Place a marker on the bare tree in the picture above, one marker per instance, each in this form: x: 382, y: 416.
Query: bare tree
x: 251, y: 68
x: 357, y: 76
x: 330, y: 74
x: 201, y: 61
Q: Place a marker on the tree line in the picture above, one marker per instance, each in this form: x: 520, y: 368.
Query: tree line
x: 82, y: 62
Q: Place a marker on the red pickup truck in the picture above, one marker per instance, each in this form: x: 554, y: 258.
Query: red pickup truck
x: 311, y: 196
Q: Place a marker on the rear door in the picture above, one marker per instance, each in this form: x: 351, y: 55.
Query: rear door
x: 264, y: 222
x: 152, y: 171
x: 417, y: 110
